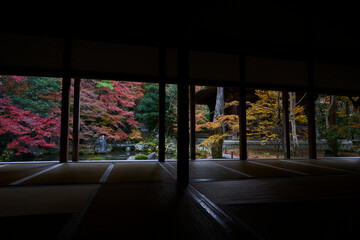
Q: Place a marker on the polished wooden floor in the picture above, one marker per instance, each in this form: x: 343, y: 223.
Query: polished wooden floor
x: 225, y: 199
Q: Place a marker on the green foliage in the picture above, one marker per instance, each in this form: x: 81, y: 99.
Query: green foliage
x: 96, y: 158
x: 84, y: 152
x: 39, y: 95
x: 332, y: 136
x: 141, y: 157
x: 171, y: 109
x: 201, y: 154
x: 147, y: 110
x: 105, y: 84
x: 152, y: 145
x: 336, y: 121
x: 6, y: 155
x: 170, y: 145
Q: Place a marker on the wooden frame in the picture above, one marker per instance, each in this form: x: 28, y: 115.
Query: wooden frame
x: 65, y: 113
x: 65, y: 102
x: 285, y: 102
x: 76, y: 121
x: 243, y: 155
x: 183, y: 82
x: 162, y: 73
x: 183, y: 116
x: 192, y: 123
x: 311, y: 112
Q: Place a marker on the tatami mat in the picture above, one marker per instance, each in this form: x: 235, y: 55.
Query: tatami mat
x: 209, y: 170
x: 302, y: 168
x: 276, y: 189
x: 352, y: 165
x: 14, y: 172
x: 39, y: 227
x: 257, y: 170
x: 138, y: 171
x: 112, y: 199
x: 289, y: 220
x: 236, y: 169
x: 37, y: 200
x: 151, y: 210
x: 71, y: 173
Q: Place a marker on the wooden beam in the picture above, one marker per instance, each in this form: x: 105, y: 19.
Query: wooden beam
x: 242, y: 110
x: 162, y: 75
x: 286, y: 124
x: 183, y: 116
x: 76, y: 121
x: 65, y: 109
x: 192, y: 123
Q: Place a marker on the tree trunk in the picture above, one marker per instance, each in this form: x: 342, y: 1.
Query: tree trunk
x: 281, y: 142
x: 292, y: 96
x: 333, y: 117
x: 216, y: 149
x: 330, y: 114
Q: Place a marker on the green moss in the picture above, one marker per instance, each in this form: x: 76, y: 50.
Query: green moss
x: 141, y: 157
x: 96, y: 158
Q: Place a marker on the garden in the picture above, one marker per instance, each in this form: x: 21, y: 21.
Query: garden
x: 119, y: 121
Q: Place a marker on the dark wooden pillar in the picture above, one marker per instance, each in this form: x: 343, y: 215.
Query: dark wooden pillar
x: 162, y: 72
x: 242, y: 110
x: 192, y: 123
x: 76, y: 121
x: 286, y: 124
x: 65, y: 109
x: 183, y: 116
x: 309, y: 42
x: 311, y: 113
x: 65, y: 102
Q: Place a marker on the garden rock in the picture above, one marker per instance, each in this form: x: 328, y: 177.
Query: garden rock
x: 153, y: 155
x: 139, y: 147
x: 100, y: 144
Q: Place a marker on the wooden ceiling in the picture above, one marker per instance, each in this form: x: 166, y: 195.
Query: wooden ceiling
x: 292, y: 30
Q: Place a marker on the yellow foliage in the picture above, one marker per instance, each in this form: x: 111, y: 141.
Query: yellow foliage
x: 233, y: 103
x: 135, y: 134
x: 213, y: 139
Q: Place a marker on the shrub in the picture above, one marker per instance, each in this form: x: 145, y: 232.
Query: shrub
x: 86, y: 152
x: 96, y: 158
x: 332, y: 136
x: 141, y: 157
x: 201, y: 153
x: 6, y: 155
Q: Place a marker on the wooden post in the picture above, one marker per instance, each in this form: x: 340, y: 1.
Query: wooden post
x: 65, y: 102
x: 162, y: 73
x: 192, y: 123
x: 309, y: 41
x: 311, y: 124
x: 183, y: 117
x: 311, y: 112
x: 286, y: 124
x: 242, y: 110
x: 65, y: 109
x: 76, y: 121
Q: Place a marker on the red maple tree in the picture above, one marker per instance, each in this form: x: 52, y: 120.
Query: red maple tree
x: 26, y: 129
x: 108, y: 109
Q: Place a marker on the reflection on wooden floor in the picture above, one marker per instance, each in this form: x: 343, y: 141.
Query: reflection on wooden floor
x: 309, y: 199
